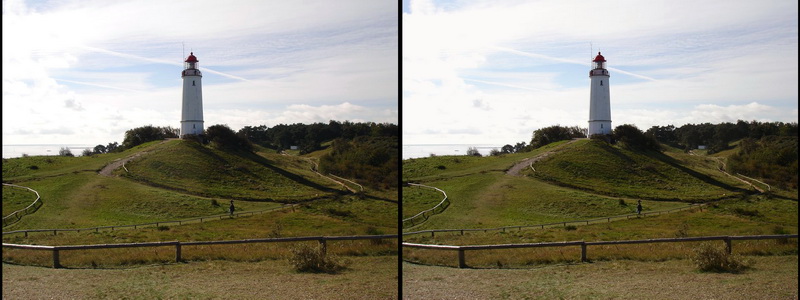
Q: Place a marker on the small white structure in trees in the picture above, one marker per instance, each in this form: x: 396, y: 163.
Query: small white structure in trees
x: 192, y: 113
x: 599, y: 98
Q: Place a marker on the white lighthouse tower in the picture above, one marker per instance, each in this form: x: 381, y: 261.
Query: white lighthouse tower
x: 599, y: 98
x: 192, y: 114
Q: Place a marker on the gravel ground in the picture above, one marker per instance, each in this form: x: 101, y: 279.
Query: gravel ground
x: 366, y: 278
x: 770, y: 278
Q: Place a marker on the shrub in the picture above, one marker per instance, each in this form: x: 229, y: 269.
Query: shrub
x: 746, y: 212
x: 709, y: 258
x: 441, y: 167
x: 214, y: 202
x: 34, y: 167
x: 311, y: 259
x: 473, y: 151
x: 570, y: 227
x: 622, y: 202
x: 163, y: 228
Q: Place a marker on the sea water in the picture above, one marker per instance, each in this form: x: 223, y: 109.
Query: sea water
x: 416, y: 151
x: 11, y: 151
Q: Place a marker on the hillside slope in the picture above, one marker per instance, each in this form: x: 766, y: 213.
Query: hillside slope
x: 605, y: 169
x: 199, y: 170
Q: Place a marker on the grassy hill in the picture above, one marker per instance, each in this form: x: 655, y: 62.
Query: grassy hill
x: 605, y: 169
x: 179, y: 179
x: 588, y: 179
x: 199, y: 170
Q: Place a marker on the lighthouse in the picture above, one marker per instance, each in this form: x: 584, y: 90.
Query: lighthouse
x: 192, y: 113
x: 599, y: 98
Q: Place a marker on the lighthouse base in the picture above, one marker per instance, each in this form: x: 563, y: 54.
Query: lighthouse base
x: 192, y: 127
x: 599, y: 127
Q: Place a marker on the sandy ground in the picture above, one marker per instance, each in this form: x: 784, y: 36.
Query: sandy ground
x: 366, y: 278
x: 770, y: 278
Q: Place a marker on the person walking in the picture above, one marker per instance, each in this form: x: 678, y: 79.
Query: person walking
x: 231, y: 208
x: 638, y: 208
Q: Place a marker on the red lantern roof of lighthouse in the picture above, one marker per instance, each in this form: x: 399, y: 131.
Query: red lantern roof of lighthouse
x: 191, y: 58
x: 599, y: 57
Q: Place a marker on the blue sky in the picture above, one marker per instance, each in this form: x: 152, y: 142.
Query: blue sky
x: 491, y: 72
x: 86, y: 71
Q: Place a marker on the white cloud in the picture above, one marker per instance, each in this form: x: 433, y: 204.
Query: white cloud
x: 670, y: 62
x: 86, y: 71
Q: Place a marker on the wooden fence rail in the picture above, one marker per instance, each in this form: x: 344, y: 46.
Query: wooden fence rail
x: 177, y: 244
x: 564, y: 224
x: 425, y: 214
x: 584, y: 245
x: 17, y: 215
x: 156, y: 224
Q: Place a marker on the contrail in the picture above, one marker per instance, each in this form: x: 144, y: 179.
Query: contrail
x: 160, y: 61
x: 534, y: 55
x: 99, y: 85
x: 503, y: 84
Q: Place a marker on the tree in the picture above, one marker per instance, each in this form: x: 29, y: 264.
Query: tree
x: 144, y: 134
x: 112, y: 147
x: 65, y: 152
x: 472, y: 151
x: 495, y: 152
x: 629, y: 136
x: 519, y: 147
x: 99, y: 149
x: 87, y: 152
x: 507, y: 149
x: 222, y: 137
x: 547, y: 135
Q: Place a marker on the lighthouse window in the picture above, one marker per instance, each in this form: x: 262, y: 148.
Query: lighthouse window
x: 601, y: 125
x: 601, y: 83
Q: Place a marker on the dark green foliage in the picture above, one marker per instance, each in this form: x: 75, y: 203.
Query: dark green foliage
x: 495, y: 152
x: 746, y: 212
x: 222, y: 137
x: 773, y: 158
x: 473, y: 151
x: 570, y: 227
x: 309, y: 137
x: 99, y: 149
x: 718, y: 137
x: 630, y: 137
x: 555, y: 133
x: 65, y: 152
x: 144, y: 134
x: 374, y: 160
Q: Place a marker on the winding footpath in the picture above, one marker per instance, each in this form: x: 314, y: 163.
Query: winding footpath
x: 518, y: 167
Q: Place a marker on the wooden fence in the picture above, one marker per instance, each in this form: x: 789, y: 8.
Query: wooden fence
x: 177, y: 244
x: 462, y: 260
x: 425, y: 214
x: 562, y: 224
x: 155, y: 224
x: 17, y: 215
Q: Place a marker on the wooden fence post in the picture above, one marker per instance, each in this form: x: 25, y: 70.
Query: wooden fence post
x: 583, y: 251
x: 56, y: 260
x: 728, y: 246
x: 432, y: 232
x: 178, y: 252
x: 461, y: 261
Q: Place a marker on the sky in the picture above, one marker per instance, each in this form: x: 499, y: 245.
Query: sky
x: 492, y: 72
x: 86, y: 71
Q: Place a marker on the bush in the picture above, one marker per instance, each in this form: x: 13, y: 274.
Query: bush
x: 311, y: 259
x: 570, y: 227
x: 473, y: 151
x: 214, y: 202
x: 709, y: 258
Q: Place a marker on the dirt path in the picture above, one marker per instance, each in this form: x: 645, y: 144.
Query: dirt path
x: 517, y: 168
x: 109, y: 168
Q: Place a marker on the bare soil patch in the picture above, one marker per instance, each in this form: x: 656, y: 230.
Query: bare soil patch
x: 368, y: 277
x: 772, y: 277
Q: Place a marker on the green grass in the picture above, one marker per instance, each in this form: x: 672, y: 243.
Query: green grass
x: 778, y: 217
x: 601, y: 168
x: 494, y: 199
x: 417, y: 199
x: 199, y: 170
x: 438, y: 167
x: 15, y: 198
x: 26, y: 168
